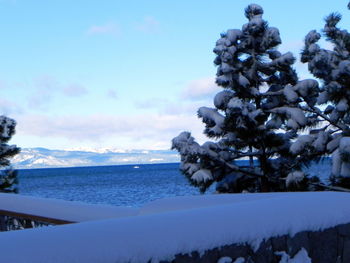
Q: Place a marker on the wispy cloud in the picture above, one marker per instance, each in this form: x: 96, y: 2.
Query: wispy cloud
x: 200, y: 89
x: 47, y: 88
x: 9, y: 108
x: 111, y: 93
x: 106, y: 29
x: 3, y: 84
x: 44, y: 89
x: 197, y: 93
x: 149, y: 25
x: 150, y: 128
x: 75, y: 90
x: 151, y: 103
x: 170, y: 107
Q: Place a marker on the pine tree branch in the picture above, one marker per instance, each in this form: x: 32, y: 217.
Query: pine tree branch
x: 250, y: 173
x: 257, y: 153
x: 272, y: 93
x: 247, y: 172
x: 236, y: 168
x: 251, y: 160
x: 334, y: 188
x: 325, y: 117
x: 335, y: 131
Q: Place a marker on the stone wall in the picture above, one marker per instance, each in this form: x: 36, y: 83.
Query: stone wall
x: 331, y: 245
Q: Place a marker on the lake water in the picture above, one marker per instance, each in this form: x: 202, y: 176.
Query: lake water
x: 123, y: 185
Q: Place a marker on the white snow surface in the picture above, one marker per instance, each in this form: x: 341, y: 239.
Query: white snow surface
x: 233, y: 34
x: 336, y: 163
x: 339, y: 166
x: 225, y: 260
x: 344, y: 145
x: 202, y: 175
x: 342, y: 105
x: 333, y: 144
x: 60, y: 209
x: 274, y: 123
x: 250, y: 218
x: 235, y: 103
x: 300, y: 257
x: 305, y: 85
x: 321, y: 141
x: 295, y: 177
x: 201, y: 201
x: 323, y: 97
x: 290, y: 94
x: 212, y: 115
x: 299, y: 145
x: 243, y: 81
x: 226, y: 68
x: 345, y: 169
x: 285, y: 59
x: 221, y: 99
x: 294, y: 114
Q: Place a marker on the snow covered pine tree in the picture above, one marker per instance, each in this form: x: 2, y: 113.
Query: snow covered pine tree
x: 255, y: 117
x: 332, y: 68
x: 8, y: 176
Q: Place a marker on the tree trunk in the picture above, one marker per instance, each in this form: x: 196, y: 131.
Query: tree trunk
x: 251, y: 160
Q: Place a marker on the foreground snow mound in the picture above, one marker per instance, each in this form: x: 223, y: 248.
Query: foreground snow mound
x: 199, y: 201
x: 60, y: 209
x: 162, y: 235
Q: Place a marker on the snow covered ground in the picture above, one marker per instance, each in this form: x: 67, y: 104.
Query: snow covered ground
x: 192, y: 224
x: 61, y: 210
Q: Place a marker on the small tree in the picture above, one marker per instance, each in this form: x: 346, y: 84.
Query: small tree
x: 256, y: 116
x: 332, y: 68
x: 8, y: 176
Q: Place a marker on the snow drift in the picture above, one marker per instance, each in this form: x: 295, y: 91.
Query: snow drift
x: 248, y: 218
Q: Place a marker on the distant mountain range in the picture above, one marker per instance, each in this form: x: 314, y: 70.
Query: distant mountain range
x: 45, y: 158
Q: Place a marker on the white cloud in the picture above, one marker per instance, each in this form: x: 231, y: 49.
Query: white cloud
x: 151, y: 103
x: 44, y: 89
x: 149, y: 25
x: 200, y: 89
x: 47, y: 88
x: 172, y: 107
x: 151, y: 130
x: 197, y: 93
x: 106, y: 29
x: 9, y: 107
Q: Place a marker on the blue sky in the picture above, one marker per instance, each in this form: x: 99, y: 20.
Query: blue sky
x: 124, y: 74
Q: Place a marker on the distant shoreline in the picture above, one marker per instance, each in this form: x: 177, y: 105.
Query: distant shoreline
x: 93, y: 166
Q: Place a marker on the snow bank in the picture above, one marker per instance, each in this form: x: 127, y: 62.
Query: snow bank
x: 300, y: 257
x: 62, y: 210
x: 161, y: 236
x: 199, y: 201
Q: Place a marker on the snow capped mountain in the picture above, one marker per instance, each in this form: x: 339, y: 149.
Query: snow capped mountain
x: 45, y: 158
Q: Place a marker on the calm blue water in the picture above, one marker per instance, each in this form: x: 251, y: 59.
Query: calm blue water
x: 116, y: 185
